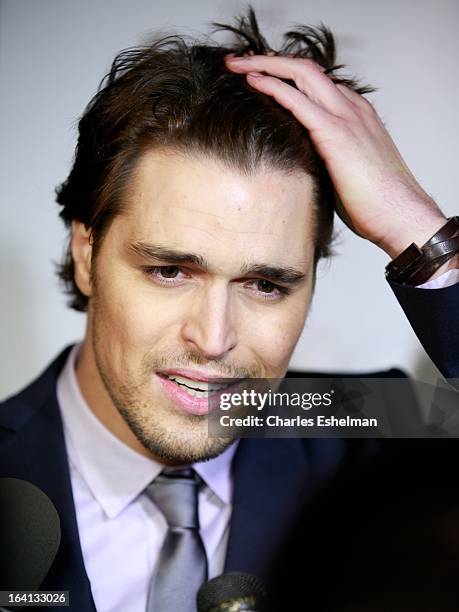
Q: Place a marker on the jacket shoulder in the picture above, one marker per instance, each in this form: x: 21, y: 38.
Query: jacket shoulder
x: 17, y: 408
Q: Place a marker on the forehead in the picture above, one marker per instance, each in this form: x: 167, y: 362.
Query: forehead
x: 201, y: 205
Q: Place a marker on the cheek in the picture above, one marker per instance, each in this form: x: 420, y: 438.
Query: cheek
x: 131, y: 316
x: 274, y: 337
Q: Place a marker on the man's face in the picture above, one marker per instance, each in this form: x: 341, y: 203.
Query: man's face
x: 208, y: 273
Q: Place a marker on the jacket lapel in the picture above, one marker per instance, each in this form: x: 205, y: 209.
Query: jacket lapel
x: 273, y: 479
x: 269, y: 476
x: 32, y: 448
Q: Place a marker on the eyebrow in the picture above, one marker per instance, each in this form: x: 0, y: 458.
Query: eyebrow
x: 286, y: 275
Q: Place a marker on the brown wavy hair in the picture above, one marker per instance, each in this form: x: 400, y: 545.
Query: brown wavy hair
x: 175, y: 92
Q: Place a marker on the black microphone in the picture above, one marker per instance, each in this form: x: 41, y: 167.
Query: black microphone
x: 233, y: 592
x: 30, y: 535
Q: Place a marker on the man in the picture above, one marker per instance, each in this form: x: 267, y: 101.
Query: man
x: 200, y: 200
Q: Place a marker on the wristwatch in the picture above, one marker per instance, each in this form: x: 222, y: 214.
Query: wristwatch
x: 415, y: 265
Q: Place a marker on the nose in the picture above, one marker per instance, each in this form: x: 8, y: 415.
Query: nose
x: 208, y: 325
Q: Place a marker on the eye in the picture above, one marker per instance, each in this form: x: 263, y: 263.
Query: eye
x: 268, y: 290
x: 265, y: 286
x: 169, y: 271
x: 165, y: 275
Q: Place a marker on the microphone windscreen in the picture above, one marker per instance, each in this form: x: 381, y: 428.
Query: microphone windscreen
x: 231, y: 588
x: 30, y: 535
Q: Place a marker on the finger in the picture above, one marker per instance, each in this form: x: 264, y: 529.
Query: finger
x: 353, y: 96
x: 306, y: 74
x: 308, y: 113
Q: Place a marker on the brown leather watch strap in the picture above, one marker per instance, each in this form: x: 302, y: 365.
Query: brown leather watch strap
x: 415, y: 265
x: 450, y: 229
x: 435, y: 257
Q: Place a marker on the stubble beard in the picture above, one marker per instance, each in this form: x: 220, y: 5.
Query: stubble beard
x: 173, y: 437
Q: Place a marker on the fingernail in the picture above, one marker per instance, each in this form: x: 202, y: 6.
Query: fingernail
x: 234, y: 59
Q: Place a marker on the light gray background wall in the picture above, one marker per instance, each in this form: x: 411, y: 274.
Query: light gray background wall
x: 52, y: 56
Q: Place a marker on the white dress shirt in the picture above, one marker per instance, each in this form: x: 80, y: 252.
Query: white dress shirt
x: 121, y: 531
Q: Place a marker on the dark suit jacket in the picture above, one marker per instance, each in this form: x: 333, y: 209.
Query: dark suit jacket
x: 273, y: 478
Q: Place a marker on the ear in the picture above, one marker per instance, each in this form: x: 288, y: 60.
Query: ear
x: 81, y: 245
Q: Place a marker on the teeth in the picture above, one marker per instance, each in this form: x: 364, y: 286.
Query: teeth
x: 198, y: 388
x: 195, y: 392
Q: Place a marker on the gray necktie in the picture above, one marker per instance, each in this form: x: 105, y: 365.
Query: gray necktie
x: 182, y: 565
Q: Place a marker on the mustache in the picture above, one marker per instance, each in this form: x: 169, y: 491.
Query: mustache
x: 188, y: 359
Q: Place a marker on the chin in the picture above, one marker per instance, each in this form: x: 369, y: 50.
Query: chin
x: 173, y: 451
x: 179, y: 440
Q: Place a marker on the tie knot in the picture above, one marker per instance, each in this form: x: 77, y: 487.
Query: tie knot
x: 175, y: 493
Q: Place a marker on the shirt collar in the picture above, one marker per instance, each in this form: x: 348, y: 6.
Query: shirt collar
x: 216, y: 473
x: 115, y: 473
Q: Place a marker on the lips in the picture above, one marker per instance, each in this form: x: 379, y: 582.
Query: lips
x: 196, y: 375
x: 197, y: 387
x: 192, y: 394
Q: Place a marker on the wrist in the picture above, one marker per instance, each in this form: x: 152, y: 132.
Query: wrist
x: 419, y: 263
x: 418, y: 230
